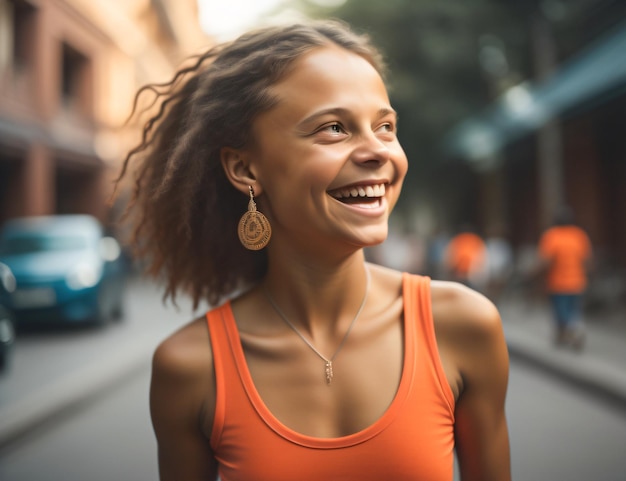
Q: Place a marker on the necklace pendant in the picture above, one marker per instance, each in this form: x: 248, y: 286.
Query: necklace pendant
x: 329, y: 371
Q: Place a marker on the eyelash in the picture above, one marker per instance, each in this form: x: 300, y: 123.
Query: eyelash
x: 330, y: 126
x: 390, y: 127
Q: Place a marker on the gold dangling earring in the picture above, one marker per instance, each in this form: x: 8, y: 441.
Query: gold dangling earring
x: 254, y: 228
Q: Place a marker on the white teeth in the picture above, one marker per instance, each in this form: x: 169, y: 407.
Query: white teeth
x: 368, y: 191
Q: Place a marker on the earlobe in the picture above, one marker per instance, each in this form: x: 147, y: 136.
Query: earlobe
x: 237, y: 170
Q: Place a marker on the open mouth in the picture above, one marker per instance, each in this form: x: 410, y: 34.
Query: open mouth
x: 366, y: 195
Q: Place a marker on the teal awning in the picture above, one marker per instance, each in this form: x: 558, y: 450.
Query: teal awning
x: 593, y: 75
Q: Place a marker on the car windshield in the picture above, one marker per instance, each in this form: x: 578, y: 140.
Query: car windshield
x: 27, y: 244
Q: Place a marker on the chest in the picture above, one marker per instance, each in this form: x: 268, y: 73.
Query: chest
x: 382, y: 417
x: 291, y: 379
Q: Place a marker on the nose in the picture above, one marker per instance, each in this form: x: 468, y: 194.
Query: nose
x: 371, y: 151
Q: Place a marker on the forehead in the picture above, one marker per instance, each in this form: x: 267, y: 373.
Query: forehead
x: 329, y: 74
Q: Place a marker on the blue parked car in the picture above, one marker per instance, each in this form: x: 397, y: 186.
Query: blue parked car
x: 7, y: 330
x: 65, y: 269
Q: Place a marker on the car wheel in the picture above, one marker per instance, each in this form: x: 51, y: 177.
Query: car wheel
x: 7, y: 337
x: 102, y: 311
x: 4, y: 360
x: 117, y: 314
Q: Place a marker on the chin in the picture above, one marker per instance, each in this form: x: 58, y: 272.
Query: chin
x: 372, y: 239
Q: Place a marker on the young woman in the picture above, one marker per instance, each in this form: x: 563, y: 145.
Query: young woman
x: 273, y: 162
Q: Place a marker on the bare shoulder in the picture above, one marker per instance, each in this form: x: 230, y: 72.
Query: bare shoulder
x: 182, y: 403
x: 182, y: 373
x: 186, y: 353
x: 475, y: 357
x: 457, y: 308
x: 469, y: 335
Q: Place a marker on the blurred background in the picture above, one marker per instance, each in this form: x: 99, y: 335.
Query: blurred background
x: 509, y: 110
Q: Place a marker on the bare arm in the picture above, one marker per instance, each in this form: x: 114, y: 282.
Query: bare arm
x: 182, y: 394
x: 474, y: 344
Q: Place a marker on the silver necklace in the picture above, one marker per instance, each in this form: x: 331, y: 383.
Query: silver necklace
x: 328, y: 362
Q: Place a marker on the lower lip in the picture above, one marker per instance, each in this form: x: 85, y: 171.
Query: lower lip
x: 369, y: 209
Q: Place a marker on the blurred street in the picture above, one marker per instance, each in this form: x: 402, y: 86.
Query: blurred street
x: 108, y: 438
x: 56, y: 368
x: 86, y: 392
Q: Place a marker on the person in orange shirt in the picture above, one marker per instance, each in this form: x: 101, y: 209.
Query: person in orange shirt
x: 465, y: 258
x: 273, y: 162
x: 565, y: 255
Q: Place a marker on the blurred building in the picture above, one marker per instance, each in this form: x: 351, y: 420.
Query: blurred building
x: 555, y: 139
x: 69, y: 70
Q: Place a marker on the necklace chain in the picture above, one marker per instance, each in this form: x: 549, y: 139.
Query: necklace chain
x: 328, y: 366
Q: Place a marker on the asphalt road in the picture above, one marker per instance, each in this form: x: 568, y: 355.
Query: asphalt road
x: 108, y: 438
x: 559, y: 432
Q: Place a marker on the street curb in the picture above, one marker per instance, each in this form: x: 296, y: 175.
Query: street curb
x: 18, y: 419
x: 592, y: 374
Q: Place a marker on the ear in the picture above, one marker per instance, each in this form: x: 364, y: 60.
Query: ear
x: 238, y: 170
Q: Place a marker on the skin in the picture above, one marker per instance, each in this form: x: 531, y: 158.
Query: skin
x: 342, y: 133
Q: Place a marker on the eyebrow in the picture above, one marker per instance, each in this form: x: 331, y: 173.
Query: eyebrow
x: 342, y: 111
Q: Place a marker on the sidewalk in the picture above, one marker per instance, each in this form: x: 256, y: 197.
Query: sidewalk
x: 599, y: 367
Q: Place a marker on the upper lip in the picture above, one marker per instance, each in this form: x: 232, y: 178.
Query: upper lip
x: 366, y: 188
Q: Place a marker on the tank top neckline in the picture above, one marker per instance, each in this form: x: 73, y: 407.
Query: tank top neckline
x: 410, y: 312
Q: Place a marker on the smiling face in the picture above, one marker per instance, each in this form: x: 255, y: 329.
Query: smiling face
x: 326, y: 158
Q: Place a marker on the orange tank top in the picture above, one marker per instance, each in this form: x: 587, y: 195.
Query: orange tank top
x: 413, y: 440
x: 567, y: 248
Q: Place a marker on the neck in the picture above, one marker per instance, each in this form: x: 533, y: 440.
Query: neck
x: 318, y: 298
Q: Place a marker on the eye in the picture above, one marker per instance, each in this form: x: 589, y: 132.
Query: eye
x: 387, y: 127
x: 334, y: 128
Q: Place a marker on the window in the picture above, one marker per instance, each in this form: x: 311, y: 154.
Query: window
x: 17, y: 23
x: 75, y: 81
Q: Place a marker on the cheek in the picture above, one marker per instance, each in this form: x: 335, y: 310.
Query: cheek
x: 314, y: 171
x: 297, y: 181
x: 401, y: 162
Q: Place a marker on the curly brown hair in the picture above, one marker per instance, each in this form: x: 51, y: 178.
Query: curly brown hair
x: 186, y: 209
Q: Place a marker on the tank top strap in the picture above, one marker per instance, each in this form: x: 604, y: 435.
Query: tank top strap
x: 224, y: 368
x: 419, y: 318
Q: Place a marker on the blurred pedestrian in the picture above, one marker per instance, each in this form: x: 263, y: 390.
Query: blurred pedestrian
x: 565, y: 255
x: 466, y: 257
x: 499, y: 262
x: 436, y: 252
x: 314, y: 364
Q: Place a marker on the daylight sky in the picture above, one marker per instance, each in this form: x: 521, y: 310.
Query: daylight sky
x: 228, y: 18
